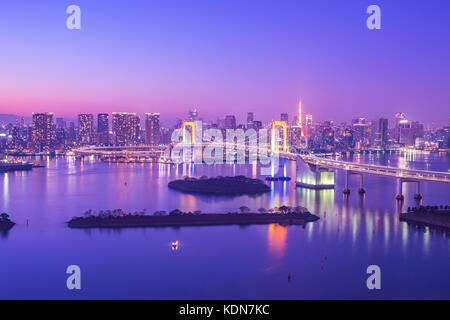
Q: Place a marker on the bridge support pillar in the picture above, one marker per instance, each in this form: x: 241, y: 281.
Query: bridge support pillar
x: 418, y: 195
x: 347, y: 189
x: 400, y: 197
x: 361, y: 190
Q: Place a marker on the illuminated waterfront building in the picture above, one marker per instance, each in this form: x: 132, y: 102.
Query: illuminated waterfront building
x: 43, y: 131
x: 86, y: 128
x: 103, y: 128
x: 124, y: 126
x: 152, y: 129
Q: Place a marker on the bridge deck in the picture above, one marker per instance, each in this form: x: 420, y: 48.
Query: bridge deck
x: 420, y: 175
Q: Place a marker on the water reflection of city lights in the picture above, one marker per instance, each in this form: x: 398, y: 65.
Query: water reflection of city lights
x: 276, y: 243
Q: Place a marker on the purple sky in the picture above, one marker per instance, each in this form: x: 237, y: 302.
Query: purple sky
x: 227, y: 57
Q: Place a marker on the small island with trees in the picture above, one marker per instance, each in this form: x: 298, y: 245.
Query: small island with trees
x: 5, y: 223
x: 177, y: 218
x: 239, y: 185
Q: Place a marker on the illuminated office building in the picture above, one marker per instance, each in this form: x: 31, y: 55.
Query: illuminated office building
x: 250, y: 120
x: 230, y: 122
x: 152, y: 129
x: 43, y: 131
x: 86, y: 128
x: 103, y: 128
x: 382, y: 133
x: 124, y: 126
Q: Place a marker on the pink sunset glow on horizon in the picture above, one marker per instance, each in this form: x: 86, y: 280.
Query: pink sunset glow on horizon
x: 171, y: 61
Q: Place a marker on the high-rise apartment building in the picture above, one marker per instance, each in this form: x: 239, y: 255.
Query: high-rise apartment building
x: 250, y: 120
x: 152, y: 129
x: 103, y: 128
x: 86, y: 128
x: 382, y: 133
x: 124, y: 126
x: 43, y: 135
x: 406, y: 136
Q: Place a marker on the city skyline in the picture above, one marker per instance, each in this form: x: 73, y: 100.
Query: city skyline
x: 137, y: 59
x: 48, y: 133
x: 241, y: 119
x: 225, y: 150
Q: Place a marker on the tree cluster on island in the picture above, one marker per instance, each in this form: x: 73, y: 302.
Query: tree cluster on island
x: 120, y: 214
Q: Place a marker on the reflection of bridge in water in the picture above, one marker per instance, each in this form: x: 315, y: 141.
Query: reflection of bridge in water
x: 312, y: 172
x: 319, y: 173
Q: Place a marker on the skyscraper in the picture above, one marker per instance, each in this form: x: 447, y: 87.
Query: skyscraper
x: 152, y: 129
x: 406, y: 136
x: 61, y: 123
x: 72, y: 134
x: 103, y: 128
x: 399, y: 118
x: 43, y: 131
x: 86, y: 128
x: 124, y: 128
x: 382, y: 133
x: 361, y: 131
x: 257, y: 125
x: 230, y: 122
x: 300, y: 118
x: 250, y: 120
x: 308, y: 120
x: 285, y: 117
x: 61, y: 136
